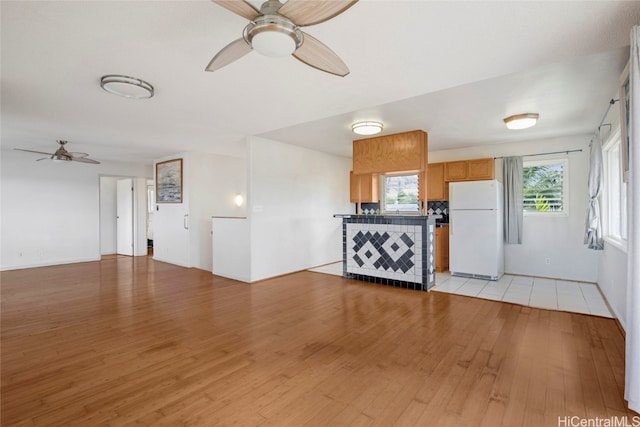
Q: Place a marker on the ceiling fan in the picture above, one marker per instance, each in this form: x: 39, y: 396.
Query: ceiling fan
x: 62, y: 155
x: 274, y: 30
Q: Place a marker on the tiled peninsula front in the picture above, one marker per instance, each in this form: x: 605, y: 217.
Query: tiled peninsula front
x: 396, y: 250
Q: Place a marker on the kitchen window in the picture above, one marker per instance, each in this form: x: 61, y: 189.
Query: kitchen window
x: 400, y: 193
x: 614, y: 192
x: 544, y: 187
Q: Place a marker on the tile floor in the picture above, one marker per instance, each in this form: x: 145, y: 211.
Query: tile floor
x: 576, y: 297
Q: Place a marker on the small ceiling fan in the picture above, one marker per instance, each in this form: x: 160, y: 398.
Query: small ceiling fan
x: 274, y: 30
x: 63, y: 155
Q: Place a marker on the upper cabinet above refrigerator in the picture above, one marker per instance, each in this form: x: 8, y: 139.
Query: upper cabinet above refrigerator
x: 470, y: 170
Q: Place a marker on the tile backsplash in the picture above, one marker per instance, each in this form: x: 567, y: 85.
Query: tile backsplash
x: 439, y: 208
x: 369, y: 208
x: 433, y: 208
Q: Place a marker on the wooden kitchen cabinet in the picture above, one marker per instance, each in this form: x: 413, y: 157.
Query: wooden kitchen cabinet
x: 455, y: 171
x: 401, y: 152
x: 364, y: 188
x: 482, y: 169
x: 442, y: 249
x: 437, y: 187
x: 469, y: 170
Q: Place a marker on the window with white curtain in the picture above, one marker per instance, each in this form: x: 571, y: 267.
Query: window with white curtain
x: 545, y: 187
x: 615, y: 192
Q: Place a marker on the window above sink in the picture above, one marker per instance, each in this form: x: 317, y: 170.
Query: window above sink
x: 400, y: 194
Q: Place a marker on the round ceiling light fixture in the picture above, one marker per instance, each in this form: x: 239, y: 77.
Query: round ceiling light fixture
x: 367, y: 128
x: 125, y: 86
x: 273, y: 36
x: 521, y: 121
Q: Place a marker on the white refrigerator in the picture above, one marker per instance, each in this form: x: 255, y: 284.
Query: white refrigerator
x: 476, y: 243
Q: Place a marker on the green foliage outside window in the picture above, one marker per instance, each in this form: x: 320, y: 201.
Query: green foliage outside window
x: 542, y: 188
x: 401, y: 193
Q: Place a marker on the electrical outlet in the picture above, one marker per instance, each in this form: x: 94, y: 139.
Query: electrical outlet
x: 547, y: 261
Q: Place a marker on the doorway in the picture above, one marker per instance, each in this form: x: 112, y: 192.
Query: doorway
x: 123, y: 215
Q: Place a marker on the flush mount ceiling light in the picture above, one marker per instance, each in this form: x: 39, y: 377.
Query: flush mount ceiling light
x: 273, y: 36
x: 521, y: 121
x: 125, y: 86
x: 366, y: 128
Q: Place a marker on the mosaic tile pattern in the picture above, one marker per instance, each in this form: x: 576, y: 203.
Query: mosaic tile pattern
x: 369, y: 208
x: 439, y: 208
x: 397, y: 251
x: 386, y: 250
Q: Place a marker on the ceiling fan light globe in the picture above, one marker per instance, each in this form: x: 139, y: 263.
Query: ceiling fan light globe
x: 273, y: 35
x: 273, y: 43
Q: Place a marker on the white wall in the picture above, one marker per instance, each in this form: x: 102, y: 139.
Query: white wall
x: 612, y: 270
x: 612, y: 280
x: 50, y: 212
x: 216, y: 181
x: 293, y: 194
x: 108, y: 213
x: 171, y: 241
x: 559, y: 238
x: 232, y: 248
x: 210, y: 183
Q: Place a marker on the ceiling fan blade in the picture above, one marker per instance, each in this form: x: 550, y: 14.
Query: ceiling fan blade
x: 317, y: 55
x: 230, y: 53
x: 75, y: 154
x: 84, y: 160
x: 239, y: 7
x: 311, y: 12
x: 32, y: 151
x: 62, y: 155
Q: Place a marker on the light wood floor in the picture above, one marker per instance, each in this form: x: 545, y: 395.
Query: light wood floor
x: 133, y: 341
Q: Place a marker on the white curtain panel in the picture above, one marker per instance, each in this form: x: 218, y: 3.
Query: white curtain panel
x: 593, y: 224
x: 632, y: 368
x: 513, y: 209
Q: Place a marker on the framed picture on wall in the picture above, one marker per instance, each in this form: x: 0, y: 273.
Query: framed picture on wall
x: 169, y: 181
x: 625, y: 93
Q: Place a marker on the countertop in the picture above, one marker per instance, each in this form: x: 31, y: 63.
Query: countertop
x: 386, y: 216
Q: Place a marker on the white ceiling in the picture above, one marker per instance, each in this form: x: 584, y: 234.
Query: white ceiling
x: 453, y: 69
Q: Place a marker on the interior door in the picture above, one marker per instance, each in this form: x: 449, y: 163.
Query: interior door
x: 124, y: 216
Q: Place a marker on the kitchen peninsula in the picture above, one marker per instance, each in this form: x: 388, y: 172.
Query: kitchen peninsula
x: 395, y: 250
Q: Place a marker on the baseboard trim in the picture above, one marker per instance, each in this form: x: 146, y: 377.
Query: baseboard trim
x: 47, y: 264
